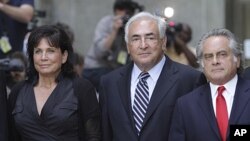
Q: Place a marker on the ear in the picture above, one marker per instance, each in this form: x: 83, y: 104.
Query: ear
x: 128, y: 49
x: 238, y: 61
x: 164, y: 43
x: 64, y: 56
x: 202, y: 64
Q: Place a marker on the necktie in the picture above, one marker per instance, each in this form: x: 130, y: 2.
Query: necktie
x: 141, y: 101
x: 221, y: 113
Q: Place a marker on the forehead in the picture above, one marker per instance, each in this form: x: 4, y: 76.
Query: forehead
x: 215, y: 44
x: 143, y: 25
x: 45, y: 43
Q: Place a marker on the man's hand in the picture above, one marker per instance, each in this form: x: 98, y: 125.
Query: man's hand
x: 118, y: 23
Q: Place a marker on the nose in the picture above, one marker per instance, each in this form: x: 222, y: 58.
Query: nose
x: 215, y: 60
x: 143, y: 44
x: 44, y: 55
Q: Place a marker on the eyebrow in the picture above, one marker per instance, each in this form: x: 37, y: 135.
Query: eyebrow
x: 217, y: 52
x: 148, y: 34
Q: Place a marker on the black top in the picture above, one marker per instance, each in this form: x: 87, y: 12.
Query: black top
x: 59, y: 117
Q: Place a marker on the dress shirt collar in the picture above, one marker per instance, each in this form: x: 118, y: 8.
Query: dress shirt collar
x: 153, y: 72
x: 230, y: 86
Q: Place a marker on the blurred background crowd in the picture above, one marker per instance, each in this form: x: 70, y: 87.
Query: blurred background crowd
x: 89, y: 38
x: 84, y: 21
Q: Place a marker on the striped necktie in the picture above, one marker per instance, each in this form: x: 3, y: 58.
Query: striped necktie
x: 141, y: 101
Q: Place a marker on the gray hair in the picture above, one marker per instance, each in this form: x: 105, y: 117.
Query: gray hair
x: 160, y: 22
x: 233, y: 44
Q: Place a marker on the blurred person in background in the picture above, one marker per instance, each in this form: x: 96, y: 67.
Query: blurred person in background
x: 78, y: 63
x: 3, y: 108
x: 19, y: 73
x: 14, y: 18
x: 179, y: 35
x: 109, y: 48
x: 53, y: 104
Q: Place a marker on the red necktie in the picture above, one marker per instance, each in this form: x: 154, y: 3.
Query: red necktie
x: 221, y: 113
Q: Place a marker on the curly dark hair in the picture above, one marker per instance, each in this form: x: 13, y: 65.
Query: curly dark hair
x: 56, y: 37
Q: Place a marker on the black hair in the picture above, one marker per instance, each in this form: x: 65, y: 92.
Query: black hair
x: 56, y: 37
x: 67, y: 29
x: 21, y: 56
x: 179, y: 44
x: 129, y: 6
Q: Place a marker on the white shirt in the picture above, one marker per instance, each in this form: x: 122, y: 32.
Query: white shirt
x: 152, y: 80
x: 228, y: 93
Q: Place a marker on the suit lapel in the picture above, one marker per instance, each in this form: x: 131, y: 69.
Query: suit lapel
x: 165, y: 81
x: 124, y: 91
x: 241, y: 98
x: 205, y: 103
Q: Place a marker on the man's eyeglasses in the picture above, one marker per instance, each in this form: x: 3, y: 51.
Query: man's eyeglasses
x: 137, y: 40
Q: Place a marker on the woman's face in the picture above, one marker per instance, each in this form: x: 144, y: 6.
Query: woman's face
x: 48, y: 60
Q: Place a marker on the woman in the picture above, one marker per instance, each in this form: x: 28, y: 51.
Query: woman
x: 53, y: 104
x: 18, y: 72
x: 177, y: 45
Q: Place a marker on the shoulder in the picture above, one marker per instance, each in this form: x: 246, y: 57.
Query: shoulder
x: 106, y: 19
x: 117, y: 73
x: 14, y: 93
x: 193, y: 95
x: 83, y: 88
x: 243, y: 83
x: 16, y: 88
x: 186, y: 70
x: 246, y: 73
x: 82, y: 83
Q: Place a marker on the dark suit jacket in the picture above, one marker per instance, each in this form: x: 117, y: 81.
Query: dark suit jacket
x: 194, y: 118
x: 3, y: 108
x: 246, y: 73
x: 117, y: 118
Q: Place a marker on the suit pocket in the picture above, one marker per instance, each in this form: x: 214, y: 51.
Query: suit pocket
x: 66, y: 115
x: 69, y: 106
x: 66, y: 109
x: 17, y: 109
x: 18, y: 114
x: 66, y: 112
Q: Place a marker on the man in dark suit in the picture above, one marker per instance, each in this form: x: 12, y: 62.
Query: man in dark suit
x: 206, y: 113
x: 3, y: 108
x: 137, y: 100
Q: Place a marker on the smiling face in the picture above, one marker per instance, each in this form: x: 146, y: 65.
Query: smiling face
x: 48, y: 60
x: 220, y: 64
x: 144, y: 44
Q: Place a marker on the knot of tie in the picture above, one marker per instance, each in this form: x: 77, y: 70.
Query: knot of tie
x: 144, y: 76
x: 220, y: 90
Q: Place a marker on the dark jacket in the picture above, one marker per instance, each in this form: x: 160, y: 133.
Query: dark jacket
x: 118, y: 124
